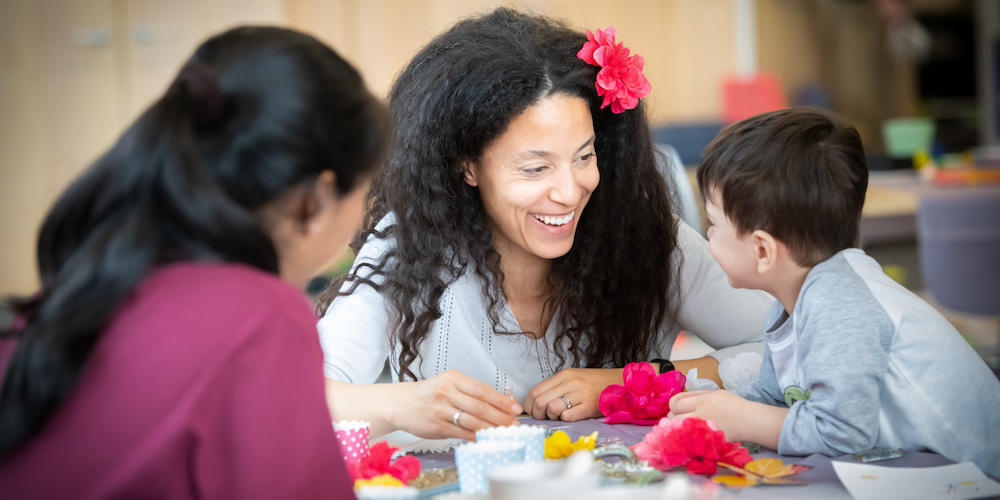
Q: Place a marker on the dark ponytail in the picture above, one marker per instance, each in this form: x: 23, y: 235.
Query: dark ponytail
x: 256, y: 112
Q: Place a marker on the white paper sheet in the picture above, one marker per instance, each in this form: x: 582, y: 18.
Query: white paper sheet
x: 956, y: 481
x: 409, y: 443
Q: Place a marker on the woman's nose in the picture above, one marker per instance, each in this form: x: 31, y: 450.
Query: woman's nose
x: 566, y: 186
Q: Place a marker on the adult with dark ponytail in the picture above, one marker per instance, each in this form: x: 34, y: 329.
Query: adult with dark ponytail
x: 170, y: 352
x: 520, y: 237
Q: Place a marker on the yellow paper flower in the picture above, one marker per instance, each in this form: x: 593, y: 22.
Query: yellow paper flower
x: 736, y: 482
x: 387, y: 480
x: 558, y: 445
x: 765, y: 470
x: 770, y: 467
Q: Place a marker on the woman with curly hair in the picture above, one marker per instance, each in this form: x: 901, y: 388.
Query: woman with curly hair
x: 520, y: 239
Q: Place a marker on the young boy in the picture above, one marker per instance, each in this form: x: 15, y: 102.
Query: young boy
x: 853, y: 360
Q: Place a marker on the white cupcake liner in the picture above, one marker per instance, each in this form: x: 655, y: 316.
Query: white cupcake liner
x: 350, y: 425
x: 512, y: 431
x: 533, y: 437
x: 488, y: 447
x: 387, y: 493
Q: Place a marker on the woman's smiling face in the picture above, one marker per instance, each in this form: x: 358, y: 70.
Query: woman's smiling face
x: 536, y: 178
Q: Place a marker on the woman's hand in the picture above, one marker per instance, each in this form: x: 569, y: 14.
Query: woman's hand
x: 582, y: 387
x: 738, y: 418
x: 428, y: 408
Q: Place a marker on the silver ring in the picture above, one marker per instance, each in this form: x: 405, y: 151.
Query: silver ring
x: 454, y: 419
x: 566, y: 400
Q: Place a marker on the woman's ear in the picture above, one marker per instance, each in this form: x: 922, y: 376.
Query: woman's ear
x: 765, y: 249
x: 325, y: 186
x: 469, y: 173
x: 309, y: 202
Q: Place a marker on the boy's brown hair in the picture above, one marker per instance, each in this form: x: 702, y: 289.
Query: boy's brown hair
x: 799, y: 174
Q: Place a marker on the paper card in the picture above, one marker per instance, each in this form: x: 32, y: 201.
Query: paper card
x: 409, y: 443
x: 956, y: 481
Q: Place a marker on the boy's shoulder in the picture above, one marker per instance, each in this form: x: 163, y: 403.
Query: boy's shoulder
x: 852, y: 290
x: 848, y: 286
x: 852, y: 272
x: 846, y: 272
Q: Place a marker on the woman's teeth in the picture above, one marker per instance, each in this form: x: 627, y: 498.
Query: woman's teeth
x: 554, y: 221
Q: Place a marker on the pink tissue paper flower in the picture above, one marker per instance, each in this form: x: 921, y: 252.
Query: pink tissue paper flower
x: 379, y: 461
x: 620, y: 80
x: 644, y: 398
x: 692, y: 443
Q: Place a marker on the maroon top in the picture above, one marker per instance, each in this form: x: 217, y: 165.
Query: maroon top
x: 208, y: 383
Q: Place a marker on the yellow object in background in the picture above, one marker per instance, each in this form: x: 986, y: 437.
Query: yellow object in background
x: 897, y: 273
x: 921, y: 159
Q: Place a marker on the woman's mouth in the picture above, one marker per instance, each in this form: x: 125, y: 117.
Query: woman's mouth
x: 561, y: 220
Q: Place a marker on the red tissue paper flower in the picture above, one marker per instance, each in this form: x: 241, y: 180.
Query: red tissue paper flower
x: 692, y: 443
x: 379, y: 461
x: 644, y: 398
x: 620, y: 80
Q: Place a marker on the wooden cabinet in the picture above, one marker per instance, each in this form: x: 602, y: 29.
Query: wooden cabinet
x: 687, y: 45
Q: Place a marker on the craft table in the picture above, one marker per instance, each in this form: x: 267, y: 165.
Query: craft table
x: 819, y: 482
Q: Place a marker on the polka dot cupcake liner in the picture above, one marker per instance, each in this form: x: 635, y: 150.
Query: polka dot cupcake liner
x: 533, y: 437
x: 353, y: 438
x: 475, y: 460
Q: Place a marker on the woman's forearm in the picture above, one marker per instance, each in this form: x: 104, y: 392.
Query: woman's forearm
x: 367, y: 402
x: 708, y: 367
x: 447, y: 405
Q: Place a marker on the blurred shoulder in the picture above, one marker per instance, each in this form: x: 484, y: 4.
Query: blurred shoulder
x: 219, y: 286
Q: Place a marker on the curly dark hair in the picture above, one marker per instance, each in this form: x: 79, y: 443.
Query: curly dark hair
x: 459, y: 94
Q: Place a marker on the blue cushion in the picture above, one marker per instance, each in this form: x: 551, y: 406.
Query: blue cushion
x: 689, y: 139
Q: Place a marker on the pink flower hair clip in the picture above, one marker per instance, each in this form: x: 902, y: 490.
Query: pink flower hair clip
x: 620, y: 80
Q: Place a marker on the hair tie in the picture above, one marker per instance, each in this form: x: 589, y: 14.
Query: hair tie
x: 620, y: 80
x: 202, y: 83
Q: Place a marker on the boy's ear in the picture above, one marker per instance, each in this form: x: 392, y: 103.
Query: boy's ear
x: 469, y: 173
x: 765, y: 249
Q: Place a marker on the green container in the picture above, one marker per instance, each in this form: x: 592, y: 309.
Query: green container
x: 904, y: 137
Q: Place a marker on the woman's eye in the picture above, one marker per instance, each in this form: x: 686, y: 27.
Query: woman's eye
x: 533, y: 170
x: 587, y: 157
